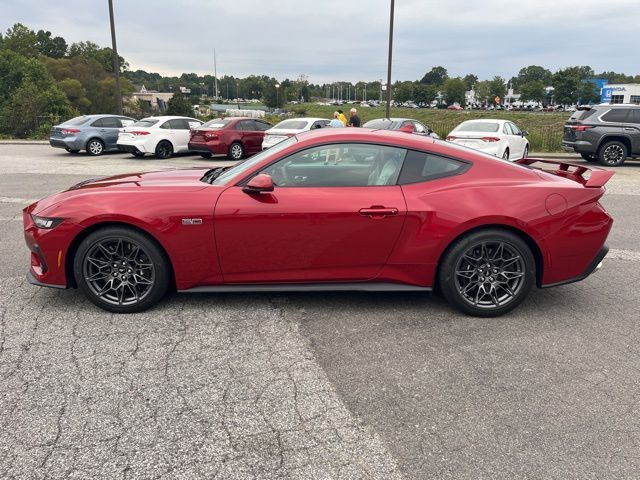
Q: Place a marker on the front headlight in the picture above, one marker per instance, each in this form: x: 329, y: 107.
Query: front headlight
x: 46, y: 222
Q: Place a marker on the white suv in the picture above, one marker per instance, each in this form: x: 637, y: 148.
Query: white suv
x: 162, y: 136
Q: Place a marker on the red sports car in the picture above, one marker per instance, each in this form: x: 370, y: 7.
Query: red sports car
x: 235, y: 137
x: 332, y: 209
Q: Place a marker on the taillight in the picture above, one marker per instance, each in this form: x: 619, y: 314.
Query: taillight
x: 211, y: 136
x: 451, y: 138
x: 69, y: 131
x: 289, y: 135
x: 490, y: 139
x: 580, y: 128
x: 139, y: 132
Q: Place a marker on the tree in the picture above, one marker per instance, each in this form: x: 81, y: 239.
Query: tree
x: 497, y: 88
x: 482, y: 91
x: 436, y: 76
x: 470, y: 80
x: 403, y: 91
x: 22, y: 40
x: 454, y: 90
x: 425, y: 93
x: 533, y: 90
x: 179, y: 105
x: 566, y: 83
x: 76, y: 94
x: 614, y: 77
x: 532, y: 73
x: 588, y: 93
x: 55, y: 47
x: 275, y: 98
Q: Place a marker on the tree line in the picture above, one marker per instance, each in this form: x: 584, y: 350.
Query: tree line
x: 43, y: 78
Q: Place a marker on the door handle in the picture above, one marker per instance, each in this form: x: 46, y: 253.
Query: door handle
x: 378, y: 211
x: 629, y: 129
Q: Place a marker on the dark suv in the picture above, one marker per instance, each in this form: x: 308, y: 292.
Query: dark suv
x: 604, y: 133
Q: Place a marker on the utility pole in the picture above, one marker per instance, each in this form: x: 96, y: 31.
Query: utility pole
x: 215, y: 74
x: 388, y: 111
x: 116, y: 62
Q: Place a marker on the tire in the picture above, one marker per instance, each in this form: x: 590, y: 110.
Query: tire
x: 612, y: 153
x: 492, y: 259
x: 95, y: 147
x: 124, y: 255
x: 526, y: 152
x: 72, y: 150
x: 138, y: 154
x: 505, y: 155
x: 206, y: 155
x: 236, y: 151
x: 164, y: 149
x: 589, y: 157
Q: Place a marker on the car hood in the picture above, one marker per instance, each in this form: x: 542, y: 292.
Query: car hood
x: 133, y: 183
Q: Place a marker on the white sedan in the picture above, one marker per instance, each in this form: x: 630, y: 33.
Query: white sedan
x: 289, y: 128
x: 162, y: 136
x: 501, y: 138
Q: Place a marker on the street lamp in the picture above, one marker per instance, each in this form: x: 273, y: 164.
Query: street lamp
x: 277, y: 100
x: 116, y: 63
x: 388, y: 111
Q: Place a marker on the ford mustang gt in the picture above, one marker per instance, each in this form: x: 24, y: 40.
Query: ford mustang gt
x: 332, y: 209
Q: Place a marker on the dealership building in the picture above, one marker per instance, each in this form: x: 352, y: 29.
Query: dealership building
x: 622, y: 93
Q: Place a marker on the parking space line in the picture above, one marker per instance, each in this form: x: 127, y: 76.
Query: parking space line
x: 25, y: 201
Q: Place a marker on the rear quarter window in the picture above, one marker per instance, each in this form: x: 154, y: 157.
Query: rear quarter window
x: 581, y: 115
x: 616, y: 115
x: 422, y: 167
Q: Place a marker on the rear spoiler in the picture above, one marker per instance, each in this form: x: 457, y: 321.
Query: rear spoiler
x: 597, y: 176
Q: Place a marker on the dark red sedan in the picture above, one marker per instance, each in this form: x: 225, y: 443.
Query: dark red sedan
x: 235, y: 137
x: 332, y: 209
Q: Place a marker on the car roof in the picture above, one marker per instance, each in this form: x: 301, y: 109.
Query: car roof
x: 168, y: 117
x: 495, y: 120
x: 306, y: 119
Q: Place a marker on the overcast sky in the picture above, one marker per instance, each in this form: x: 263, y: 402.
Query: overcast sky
x: 346, y: 40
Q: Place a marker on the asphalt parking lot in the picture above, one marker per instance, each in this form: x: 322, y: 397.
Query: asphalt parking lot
x: 340, y: 385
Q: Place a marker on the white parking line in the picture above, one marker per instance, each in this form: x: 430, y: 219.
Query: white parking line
x: 617, y: 254
x: 25, y: 201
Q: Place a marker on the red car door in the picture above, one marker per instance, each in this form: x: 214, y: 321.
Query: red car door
x: 334, y: 215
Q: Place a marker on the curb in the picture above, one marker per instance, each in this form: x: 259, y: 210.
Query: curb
x: 24, y: 142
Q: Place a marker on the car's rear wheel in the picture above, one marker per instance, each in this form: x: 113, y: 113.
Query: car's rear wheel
x: 205, y: 155
x: 236, y: 151
x: 164, y: 149
x: 487, y: 273
x: 95, y: 147
x: 121, y: 270
x: 612, y: 154
x: 72, y: 150
x: 505, y: 155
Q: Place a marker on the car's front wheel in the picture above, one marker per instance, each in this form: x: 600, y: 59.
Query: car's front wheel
x: 505, y: 155
x: 164, y: 149
x: 95, y: 147
x: 612, y: 154
x: 121, y: 270
x: 525, y: 154
x: 487, y: 273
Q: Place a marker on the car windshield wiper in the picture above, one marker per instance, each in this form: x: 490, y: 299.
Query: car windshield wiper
x: 211, y: 175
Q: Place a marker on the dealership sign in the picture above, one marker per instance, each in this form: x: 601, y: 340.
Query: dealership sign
x: 606, y: 92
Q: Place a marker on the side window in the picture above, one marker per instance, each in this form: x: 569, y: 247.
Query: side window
x: 514, y: 129
x: 245, y: 125
x: 422, y: 167
x: 167, y: 125
x: 419, y: 128
x: 110, y: 122
x: 506, y: 129
x: 617, y: 115
x: 339, y: 165
x: 408, y: 122
x: 636, y: 115
x: 261, y: 126
x: 98, y: 123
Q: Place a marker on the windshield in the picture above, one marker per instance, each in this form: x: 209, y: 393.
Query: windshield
x: 478, y: 127
x: 77, y: 121
x: 216, y: 123
x: 291, y: 125
x: 240, y: 168
x: 145, y: 122
x: 380, y: 124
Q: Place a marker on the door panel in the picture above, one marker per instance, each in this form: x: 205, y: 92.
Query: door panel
x: 307, y: 234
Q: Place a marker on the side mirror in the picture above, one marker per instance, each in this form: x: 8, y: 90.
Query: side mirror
x: 258, y: 184
x: 524, y: 133
x: 408, y: 128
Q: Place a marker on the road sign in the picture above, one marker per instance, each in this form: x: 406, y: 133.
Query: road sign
x: 497, y: 99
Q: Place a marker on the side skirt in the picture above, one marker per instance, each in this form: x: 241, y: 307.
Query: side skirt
x: 309, y: 287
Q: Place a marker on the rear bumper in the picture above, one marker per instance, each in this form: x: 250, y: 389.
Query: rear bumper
x: 71, y: 143
x: 129, y: 148
x: 579, y: 146
x: 595, y: 264
x: 215, y: 147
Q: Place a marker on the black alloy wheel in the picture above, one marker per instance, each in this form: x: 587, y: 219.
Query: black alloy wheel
x: 121, y: 270
x: 164, y: 149
x: 487, y: 273
x: 612, y: 154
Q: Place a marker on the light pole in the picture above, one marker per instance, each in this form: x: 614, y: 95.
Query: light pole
x: 388, y: 111
x: 277, y: 99
x: 116, y: 62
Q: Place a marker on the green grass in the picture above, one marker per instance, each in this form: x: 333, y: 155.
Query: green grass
x: 545, y: 129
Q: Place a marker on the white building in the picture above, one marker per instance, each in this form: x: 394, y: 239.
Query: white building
x: 621, y: 93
